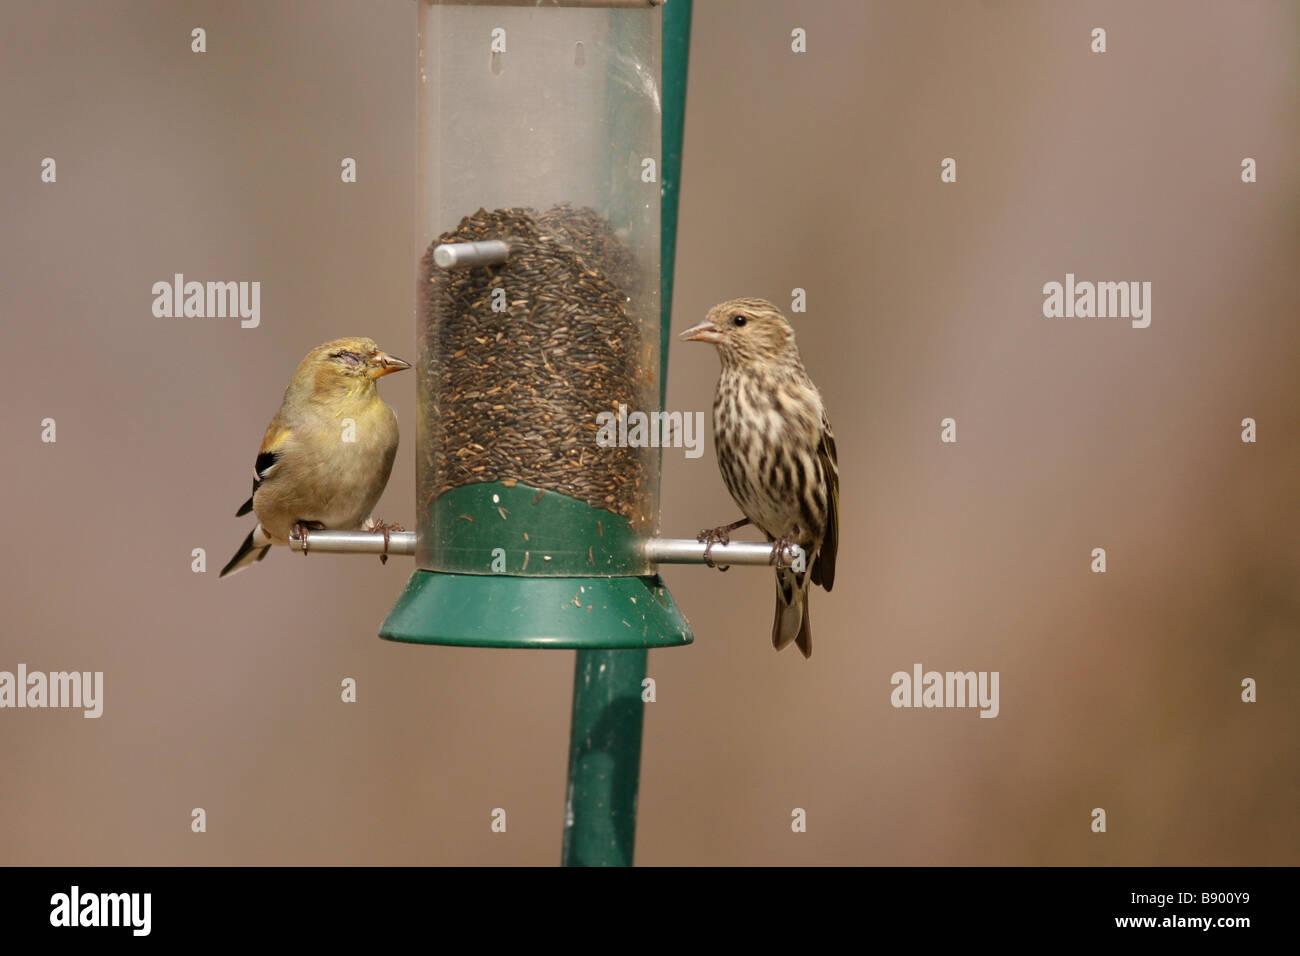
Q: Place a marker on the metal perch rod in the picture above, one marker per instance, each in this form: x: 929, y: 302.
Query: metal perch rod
x: 354, y: 542
x: 690, y: 551
x: 461, y: 255
x: 657, y: 550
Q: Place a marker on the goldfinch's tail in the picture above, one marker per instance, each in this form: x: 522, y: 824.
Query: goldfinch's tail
x: 251, y: 551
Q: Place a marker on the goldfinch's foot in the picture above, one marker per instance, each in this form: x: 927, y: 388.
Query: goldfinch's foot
x: 303, y: 529
x: 375, y: 524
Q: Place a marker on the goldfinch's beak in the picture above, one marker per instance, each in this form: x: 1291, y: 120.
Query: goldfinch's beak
x: 381, y: 364
x: 706, y: 331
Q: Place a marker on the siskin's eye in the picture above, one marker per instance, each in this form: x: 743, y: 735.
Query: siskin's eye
x: 738, y: 320
x: 350, y: 359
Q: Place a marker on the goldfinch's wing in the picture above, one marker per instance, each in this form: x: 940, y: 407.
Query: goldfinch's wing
x: 270, y: 454
x: 823, y: 569
x: 261, y: 469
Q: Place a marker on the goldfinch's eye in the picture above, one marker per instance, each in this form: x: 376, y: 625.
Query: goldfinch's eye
x: 738, y: 320
x: 350, y: 359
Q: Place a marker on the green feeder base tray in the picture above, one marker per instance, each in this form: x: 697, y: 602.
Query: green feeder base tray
x: 498, y: 610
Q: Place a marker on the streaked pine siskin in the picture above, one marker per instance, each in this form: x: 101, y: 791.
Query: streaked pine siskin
x: 776, y: 451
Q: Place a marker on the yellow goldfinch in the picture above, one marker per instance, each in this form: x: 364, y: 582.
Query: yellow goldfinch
x: 327, y: 453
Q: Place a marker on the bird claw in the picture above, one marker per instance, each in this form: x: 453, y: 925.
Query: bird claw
x: 780, y: 548
x: 387, y: 529
x: 303, y: 531
x: 710, y: 537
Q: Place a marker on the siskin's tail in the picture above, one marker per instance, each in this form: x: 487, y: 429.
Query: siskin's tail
x: 251, y: 551
x: 791, y: 621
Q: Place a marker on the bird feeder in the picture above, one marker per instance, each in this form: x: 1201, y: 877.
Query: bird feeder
x: 549, y: 150
x: 538, y: 311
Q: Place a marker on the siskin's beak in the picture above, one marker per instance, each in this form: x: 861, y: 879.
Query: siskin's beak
x: 381, y: 364
x: 706, y: 331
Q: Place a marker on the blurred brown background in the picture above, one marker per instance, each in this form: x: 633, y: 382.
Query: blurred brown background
x: 818, y: 171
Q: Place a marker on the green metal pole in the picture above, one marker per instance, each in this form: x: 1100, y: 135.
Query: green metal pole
x: 604, y: 758
x: 608, y: 715
x: 676, y: 53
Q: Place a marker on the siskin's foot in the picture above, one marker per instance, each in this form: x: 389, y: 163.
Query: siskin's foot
x: 712, y: 536
x: 781, y: 550
x: 722, y: 536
